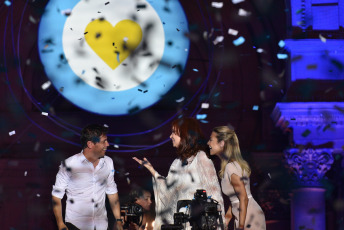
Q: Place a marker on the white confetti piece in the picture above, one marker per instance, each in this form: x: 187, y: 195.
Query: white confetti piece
x: 237, y: 1
x: 269, y: 175
x: 322, y: 38
x: 217, y: 4
x: 25, y: 173
x: 127, y: 173
x: 46, y: 85
x: 105, y: 125
x: 38, y: 195
x: 205, y: 106
x: 32, y: 19
x: 255, y: 107
x: 243, y: 12
x: 233, y: 32
x: 180, y: 100
x: 260, y: 50
x: 12, y: 133
x: 218, y: 39
x: 281, y: 43
x: 239, y: 41
x: 44, y: 113
x: 282, y: 56
x: 128, y: 180
x: 116, y: 146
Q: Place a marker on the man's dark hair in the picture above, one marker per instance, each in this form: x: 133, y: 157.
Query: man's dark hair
x: 92, y: 133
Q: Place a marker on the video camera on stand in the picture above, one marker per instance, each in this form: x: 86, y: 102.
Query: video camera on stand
x: 202, y: 213
x: 132, y: 213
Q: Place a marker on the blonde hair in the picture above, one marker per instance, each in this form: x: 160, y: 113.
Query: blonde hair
x: 231, y: 149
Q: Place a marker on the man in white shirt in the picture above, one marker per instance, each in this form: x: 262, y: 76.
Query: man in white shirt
x: 86, y: 177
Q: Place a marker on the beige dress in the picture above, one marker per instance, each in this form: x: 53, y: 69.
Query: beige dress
x: 181, y: 184
x: 255, y: 218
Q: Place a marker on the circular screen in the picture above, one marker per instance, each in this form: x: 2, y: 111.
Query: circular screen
x: 105, y: 56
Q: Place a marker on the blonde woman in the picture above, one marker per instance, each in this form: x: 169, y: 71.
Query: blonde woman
x: 235, y: 181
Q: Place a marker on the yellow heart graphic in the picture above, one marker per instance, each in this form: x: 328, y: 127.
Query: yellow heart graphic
x: 113, y: 44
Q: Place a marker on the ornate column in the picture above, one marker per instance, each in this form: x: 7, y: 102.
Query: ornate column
x: 316, y: 131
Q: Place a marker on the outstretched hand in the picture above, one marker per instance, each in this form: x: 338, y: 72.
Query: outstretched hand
x: 146, y: 164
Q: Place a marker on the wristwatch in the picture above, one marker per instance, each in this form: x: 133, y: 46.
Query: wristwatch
x: 121, y: 220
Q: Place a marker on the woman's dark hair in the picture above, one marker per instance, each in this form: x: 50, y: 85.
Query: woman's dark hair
x: 92, y: 133
x: 136, y: 193
x: 191, y: 137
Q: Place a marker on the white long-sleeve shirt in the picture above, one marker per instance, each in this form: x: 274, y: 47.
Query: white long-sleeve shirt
x: 85, y: 187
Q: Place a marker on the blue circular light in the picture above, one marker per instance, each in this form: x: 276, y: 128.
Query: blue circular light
x: 105, y: 101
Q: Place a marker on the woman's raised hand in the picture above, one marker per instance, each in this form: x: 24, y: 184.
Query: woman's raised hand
x: 146, y: 164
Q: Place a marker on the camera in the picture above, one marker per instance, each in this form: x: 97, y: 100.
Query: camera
x: 132, y: 213
x: 202, y: 213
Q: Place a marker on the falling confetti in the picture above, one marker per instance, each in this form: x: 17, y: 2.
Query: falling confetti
x: 116, y: 146
x: 255, y: 107
x: 218, y: 39
x: 322, y: 38
x: 46, y: 85
x: 7, y: 2
x: 217, y: 4
x: 205, y: 106
x: 260, y: 50
x: 44, y: 113
x: 201, y: 116
x: 25, y: 173
x: 239, y: 41
x: 237, y: 1
x: 12, y: 133
x: 243, y: 13
x: 180, y: 100
x: 281, y: 44
x: 282, y: 56
x: 233, y: 32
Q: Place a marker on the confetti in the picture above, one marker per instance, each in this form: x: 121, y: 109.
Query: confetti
x: 44, y: 113
x: 12, y: 133
x: 196, y: 70
x: 116, y: 146
x: 126, y: 174
x: 105, y: 125
x: 128, y: 180
x: 306, y: 133
x: 205, y: 106
x: 255, y: 107
x: 233, y: 32
x: 66, y: 12
x: 218, y: 39
x: 243, y: 12
x: 217, y: 4
x: 281, y: 43
x: 282, y: 56
x: 239, y: 41
x: 38, y: 195
x: 201, y: 116
x: 269, y: 175
x: 180, y: 100
x: 25, y: 173
x: 260, y: 50
x: 8, y: 3
x: 46, y: 85
x: 322, y: 38
x: 32, y: 19
x: 237, y: 1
